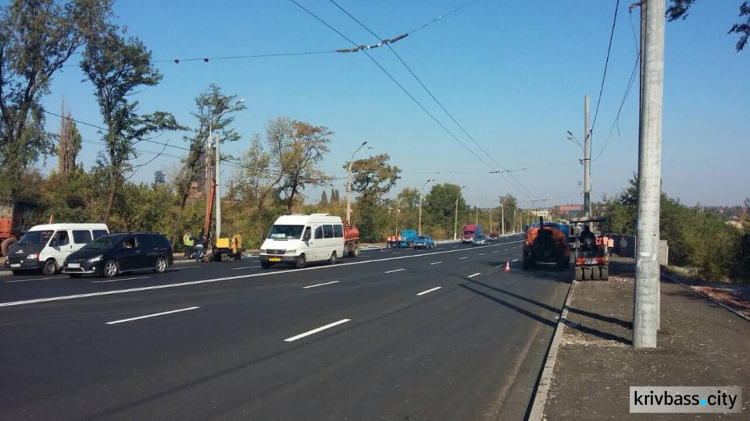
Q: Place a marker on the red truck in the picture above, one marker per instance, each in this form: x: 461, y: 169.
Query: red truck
x: 469, y: 232
x: 15, y: 219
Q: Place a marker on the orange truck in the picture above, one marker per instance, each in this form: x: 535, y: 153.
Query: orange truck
x: 546, y: 242
x: 15, y: 219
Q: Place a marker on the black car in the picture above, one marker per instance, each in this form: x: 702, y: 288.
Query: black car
x: 112, y: 254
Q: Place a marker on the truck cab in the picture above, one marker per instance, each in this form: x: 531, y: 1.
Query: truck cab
x: 469, y: 232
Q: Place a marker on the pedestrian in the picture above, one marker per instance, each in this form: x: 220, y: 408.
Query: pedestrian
x: 189, y: 242
x: 200, y: 245
x: 623, y: 246
x: 610, y: 245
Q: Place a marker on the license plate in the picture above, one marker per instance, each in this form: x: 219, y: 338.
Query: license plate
x: 15, y: 265
x: 591, y: 262
x: 74, y: 265
x: 274, y: 259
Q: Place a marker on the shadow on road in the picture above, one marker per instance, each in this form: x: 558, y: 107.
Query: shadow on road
x: 506, y: 304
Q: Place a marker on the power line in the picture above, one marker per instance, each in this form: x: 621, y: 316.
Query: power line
x: 436, y: 100
x: 442, y: 16
x: 249, y: 56
x: 606, y: 64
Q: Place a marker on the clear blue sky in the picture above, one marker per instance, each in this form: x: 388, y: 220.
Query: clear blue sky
x: 514, y: 74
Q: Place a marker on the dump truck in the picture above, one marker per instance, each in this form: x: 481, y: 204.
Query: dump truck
x: 404, y: 240
x: 546, y: 242
x: 15, y: 219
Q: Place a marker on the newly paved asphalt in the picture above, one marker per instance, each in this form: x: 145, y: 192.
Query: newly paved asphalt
x: 395, y: 335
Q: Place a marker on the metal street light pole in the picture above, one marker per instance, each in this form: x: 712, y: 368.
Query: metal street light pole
x: 349, y: 184
x: 455, y: 221
x: 420, y: 205
x: 218, y: 168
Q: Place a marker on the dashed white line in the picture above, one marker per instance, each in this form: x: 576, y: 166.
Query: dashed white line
x: 119, y: 280
x: 151, y: 315
x: 394, y: 270
x: 481, y: 254
x: 435, y: 263
x: 320, y: 285
x: 243, y: 267
x: 462, y: 258
x: 515, y: 260
x: 31, y: 280
x: 429, y: 291
x: 496, y: 251
x: 314, y: 331
x: 474, y: 274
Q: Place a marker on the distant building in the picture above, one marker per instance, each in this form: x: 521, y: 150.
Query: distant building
x: 569, y: 211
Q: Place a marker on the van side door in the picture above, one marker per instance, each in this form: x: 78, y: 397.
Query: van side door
x: 317, y: 243
x: 60, y: 246
x: 81, y: 238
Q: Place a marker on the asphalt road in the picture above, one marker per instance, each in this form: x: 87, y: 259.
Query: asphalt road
x: 398, y: 334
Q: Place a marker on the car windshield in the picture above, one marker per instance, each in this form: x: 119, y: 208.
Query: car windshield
x: 105, y: 242
x: 468, y: 232
x: 286, y: 232
x: 423, y: 237
x: 36, y: 237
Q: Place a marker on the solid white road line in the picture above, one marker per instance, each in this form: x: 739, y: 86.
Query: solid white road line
x: 151, y: 315
x: 481, y: 254
x: 475, y: 274
x: 31, y: 280
x: 394, y: 270
x: 120, y: 280
x: 515, y: 260
x: 243, y: 267
x: 320, y: 285
x: 435, y: 263
x: 429, y: 291
x: 222, y: 279
x: 314, y: 331
x: 462, y: 258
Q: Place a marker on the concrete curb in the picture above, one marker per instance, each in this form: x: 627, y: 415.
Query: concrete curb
x: 715, y: 301
x: 542, y: 390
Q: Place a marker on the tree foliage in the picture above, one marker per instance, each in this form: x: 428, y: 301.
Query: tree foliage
x: 440, y: 208
x: 36, y: 39
x: 679, y: 10
x: 68, y: 143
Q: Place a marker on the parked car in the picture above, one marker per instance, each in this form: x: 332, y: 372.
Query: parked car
x: 424, y: 241
x: 480, y: 240
x: 45, y: 247
x: 113, y: 254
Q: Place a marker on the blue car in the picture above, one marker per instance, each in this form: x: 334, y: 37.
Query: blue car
x: 424, y: 241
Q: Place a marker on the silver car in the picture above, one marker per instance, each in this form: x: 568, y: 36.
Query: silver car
x: 480, y: 240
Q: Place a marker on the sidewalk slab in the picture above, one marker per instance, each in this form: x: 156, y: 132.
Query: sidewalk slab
x: 699, y: 344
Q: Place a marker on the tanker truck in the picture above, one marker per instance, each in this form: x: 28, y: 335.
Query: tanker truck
x: 546, y: 242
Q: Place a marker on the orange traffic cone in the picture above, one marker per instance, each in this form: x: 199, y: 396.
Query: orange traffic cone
x: 507, y: 266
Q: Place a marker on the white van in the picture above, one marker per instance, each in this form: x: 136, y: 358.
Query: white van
x: 45, y: 247
x: 298, y: 239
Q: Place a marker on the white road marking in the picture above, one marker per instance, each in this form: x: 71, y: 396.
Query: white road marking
x: 429, y: 291
x: 314, y: 331
x: 435, y: 263
x: 474, y: 274
x: 462, y: 258
x: 243, y: 267
x: 31, y: 280
x: 223, y: 279
x: 396, y: 252
x: 151, y: 315
x: 481, y: 254
x: 119, y: 280
x: 500, y: 266
x: 515, y: 260
x: 320, y: 285
x: 187, y: 267
x: 394, y: 270
x: 496, y: 251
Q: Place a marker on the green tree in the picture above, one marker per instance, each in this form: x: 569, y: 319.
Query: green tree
x: 118, y: 68
x: 440, y: 206
x: 68, y: 143
x: 36, y: 39
x: 679, y: 10
x: 323, y: 199
x: 372, y: 178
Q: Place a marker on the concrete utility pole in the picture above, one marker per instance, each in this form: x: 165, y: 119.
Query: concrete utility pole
x: 349, y: 184
x: 455, y: 220
x: 502, y: 217
x: 646, y: 306
x: 420, y: 205
x: 218, y: 168
x: 514, y: 220
x: 586, y: 158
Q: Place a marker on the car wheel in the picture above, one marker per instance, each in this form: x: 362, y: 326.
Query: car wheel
x: 111, y: 269
x: 50, y: 267
x: 74, y: 275
x: 301, y: 262
x: 332, y: 260
x: 161, y: 265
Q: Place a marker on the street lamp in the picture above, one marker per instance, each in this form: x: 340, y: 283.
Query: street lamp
x: 455, y: 221
x: 349, y: 183
x: 217, y: 192
x: 420, y: 204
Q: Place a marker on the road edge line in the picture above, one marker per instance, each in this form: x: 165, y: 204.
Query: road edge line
x: 544, y: 383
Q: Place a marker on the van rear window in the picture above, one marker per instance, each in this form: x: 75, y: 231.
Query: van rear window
x: 99, y: 233
x: 81, y: 237
x: 338, y: 231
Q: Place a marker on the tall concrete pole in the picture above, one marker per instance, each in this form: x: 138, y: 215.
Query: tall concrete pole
x: 649, y: 182
x: 349, y: 185
x: 218, y: 191
x: 455, y: 220
x: 586, y: 159
x: 502, y: 217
